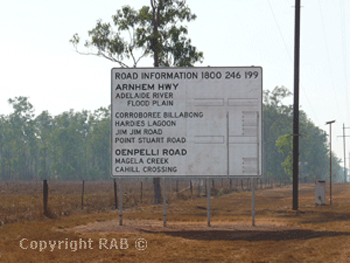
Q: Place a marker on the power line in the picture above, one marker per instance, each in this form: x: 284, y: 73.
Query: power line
x: 290, y: 59
x: 279, y: 31
x: 344, y: 46
x: 328, y: 58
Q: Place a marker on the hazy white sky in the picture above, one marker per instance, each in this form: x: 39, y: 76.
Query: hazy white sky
x: 37, y: 60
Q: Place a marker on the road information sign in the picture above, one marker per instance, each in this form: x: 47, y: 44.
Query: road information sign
x: 179, y: 122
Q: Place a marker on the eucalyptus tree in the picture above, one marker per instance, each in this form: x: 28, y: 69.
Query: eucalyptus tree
x: 5, y: 148
x: 157, y: 30
x: 277, y: 122
x: 278, y: 146
x: 68, y: 145
x: 44, y: 126
x: 99, y: 144
x: 21, y: 139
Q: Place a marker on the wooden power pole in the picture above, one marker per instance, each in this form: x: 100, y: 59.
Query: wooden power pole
x: 296, y: 106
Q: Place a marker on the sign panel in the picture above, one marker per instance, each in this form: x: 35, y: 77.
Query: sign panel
x: 195, y: 122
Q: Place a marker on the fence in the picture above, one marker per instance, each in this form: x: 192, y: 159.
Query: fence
x: 31, y: 200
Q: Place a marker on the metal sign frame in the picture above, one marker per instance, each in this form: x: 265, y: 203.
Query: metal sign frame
x: 186, y: 122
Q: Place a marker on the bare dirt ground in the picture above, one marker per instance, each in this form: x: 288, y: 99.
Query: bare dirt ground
x: 315, y: 234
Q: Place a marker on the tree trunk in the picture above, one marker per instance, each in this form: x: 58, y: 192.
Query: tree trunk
x: 191, y: 187
x: 157, y: 190
x: 156, y: 20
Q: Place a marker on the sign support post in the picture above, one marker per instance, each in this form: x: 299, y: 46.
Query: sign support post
x: 253, y: 201
x: 258, y: 172
x: 164, y: 201
x: 120, y: 202
x: 208, y: 199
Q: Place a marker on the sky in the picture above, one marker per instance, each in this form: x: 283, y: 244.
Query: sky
x: 37, y: 60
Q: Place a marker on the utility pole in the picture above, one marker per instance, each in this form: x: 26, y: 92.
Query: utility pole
x: 344, y: 153
x: 345, y: 171
x: 296, y: 107
x: 330, y: 160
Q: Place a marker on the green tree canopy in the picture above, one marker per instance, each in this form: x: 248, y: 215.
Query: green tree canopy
x: 285, y: 146
x: 314, y: 152
x: 157, y: 30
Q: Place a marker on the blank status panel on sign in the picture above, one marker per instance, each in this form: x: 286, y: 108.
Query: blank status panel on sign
x: 207, y: 102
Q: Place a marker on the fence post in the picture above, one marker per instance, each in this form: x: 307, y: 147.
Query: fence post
x: 141, y: 190
x: 191, y: 188
x: 200, y: 187
x: 82, y: 196
x: 115, y: 194
x: 45, y: 197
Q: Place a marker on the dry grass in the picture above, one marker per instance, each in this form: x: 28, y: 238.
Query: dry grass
x: 24, y: 200
x: 318, y: 234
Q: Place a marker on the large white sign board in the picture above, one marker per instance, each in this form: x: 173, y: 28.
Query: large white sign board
x: 195, y: 122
